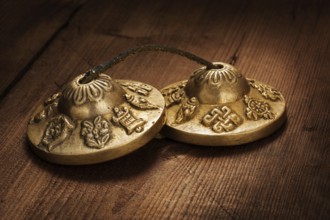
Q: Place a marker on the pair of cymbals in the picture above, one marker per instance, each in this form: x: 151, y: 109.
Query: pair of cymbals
x: 97, y: 119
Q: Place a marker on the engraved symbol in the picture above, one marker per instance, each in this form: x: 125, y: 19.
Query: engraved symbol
x: 126, y: 119
x: 138, y: 88
x: 93, y: 91
x: 187, y: 110
x: 226, y: 73
x: 53, y: 98
x: 266, y: 91
x: 222, y: 119
x: 140, y: 102
x: 173, y: 95
x: 96, y: 133
x: 257, y: 109
x: 57, y: 130
x: 49, y: 106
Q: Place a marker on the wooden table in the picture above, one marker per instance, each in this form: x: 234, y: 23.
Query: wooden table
x: 282, y: 43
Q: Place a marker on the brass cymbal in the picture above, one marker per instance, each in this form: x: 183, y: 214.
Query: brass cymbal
x: 220, y: 107
x: 96, y: 120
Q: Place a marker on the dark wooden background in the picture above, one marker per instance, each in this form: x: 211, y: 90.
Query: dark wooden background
x: 43, y: 44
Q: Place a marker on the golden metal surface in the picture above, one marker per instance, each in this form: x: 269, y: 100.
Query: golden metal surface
x: 220, y: 107
x: 95, y: 121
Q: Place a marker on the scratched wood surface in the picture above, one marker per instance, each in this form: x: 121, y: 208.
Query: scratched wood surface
x: 283, y: 43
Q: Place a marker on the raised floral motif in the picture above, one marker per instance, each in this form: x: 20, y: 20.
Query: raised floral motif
x: 96, y: 133
x: 92, y: 91
x: 226, y: 73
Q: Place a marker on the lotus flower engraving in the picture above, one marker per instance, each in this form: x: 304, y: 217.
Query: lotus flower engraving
x: 92, y: 91
x: 225, y: 73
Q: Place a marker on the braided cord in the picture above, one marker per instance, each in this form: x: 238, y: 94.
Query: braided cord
x: 94, y: 72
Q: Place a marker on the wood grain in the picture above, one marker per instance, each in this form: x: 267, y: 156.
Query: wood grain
x: 283, y: 43
x: 27, y: 29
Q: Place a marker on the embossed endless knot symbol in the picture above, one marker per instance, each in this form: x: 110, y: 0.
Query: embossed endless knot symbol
x: 222, y: 119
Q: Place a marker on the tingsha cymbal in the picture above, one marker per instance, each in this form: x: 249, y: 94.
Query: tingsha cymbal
x: 95, y: 120
x: 220, y: 107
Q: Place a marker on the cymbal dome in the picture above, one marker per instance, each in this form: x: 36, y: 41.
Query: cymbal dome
x: 217, y: 86
x: 83, y: 100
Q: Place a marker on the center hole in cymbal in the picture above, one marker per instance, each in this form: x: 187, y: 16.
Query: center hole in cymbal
x: 219, y: 66
x: 87, y: 78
